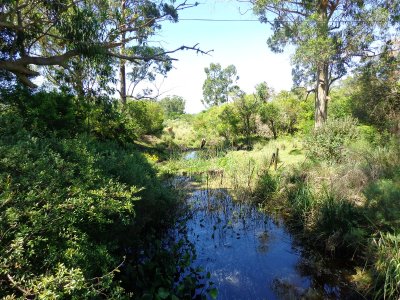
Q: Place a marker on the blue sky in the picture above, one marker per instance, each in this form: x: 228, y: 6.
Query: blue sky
x: 242, y: 44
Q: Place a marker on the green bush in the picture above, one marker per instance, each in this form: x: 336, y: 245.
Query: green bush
x: 328, y: 142
x: 44, y: 112
x: 383, y: 203
x: 173, y: 106
x: 69, y: 209
x: 55, y: 204
x: 144, y: 117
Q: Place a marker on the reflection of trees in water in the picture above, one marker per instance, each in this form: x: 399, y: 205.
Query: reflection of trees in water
x: 219, y: 223
x: 226, y: 219
x: 263, y: 239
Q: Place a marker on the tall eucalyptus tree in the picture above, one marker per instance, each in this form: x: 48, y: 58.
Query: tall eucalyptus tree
x: 37, y: 33
x: 328, y: 35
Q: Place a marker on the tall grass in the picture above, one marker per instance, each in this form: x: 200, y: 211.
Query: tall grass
x: 343, y: 205
x: 386, y: 250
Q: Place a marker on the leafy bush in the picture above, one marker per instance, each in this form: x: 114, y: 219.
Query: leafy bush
x: 340, y: 102
x: 383, y: 205
x: 104, y: 120
x: 328, y: 141
x: 56, y: 203
x: 44, y: 112
x: 173, y: 106
x: 69, y: 212
x: 144, y: 117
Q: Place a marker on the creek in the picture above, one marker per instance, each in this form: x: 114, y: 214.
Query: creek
x: 252, y: 256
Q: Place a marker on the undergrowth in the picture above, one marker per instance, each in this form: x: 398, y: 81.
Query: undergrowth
x: 347, y: 204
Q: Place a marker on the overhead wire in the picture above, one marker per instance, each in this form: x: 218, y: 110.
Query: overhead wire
x: 256, y: 20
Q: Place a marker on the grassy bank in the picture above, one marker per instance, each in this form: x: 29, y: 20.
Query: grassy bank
x: 351, y: 209
x: 240, y: 169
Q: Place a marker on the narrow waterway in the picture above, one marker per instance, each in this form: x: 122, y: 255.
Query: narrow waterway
x: 251, y: 256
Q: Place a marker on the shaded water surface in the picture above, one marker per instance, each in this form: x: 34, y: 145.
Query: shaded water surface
x: 249, y: 255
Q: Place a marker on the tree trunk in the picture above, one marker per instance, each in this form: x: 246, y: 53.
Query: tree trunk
x: 122, y: 78
x: 273, y: 129
x: 122, y: 71
x: 321, y: 96
x: 322, y: 89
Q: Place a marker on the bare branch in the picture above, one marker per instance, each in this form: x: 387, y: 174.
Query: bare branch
x: 18, y: 287
x: 116, y: 269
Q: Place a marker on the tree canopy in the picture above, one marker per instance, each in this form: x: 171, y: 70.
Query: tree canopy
x: 36, y: 33
x: 173, y: 106
x: 219, y: 84
x: 327, y: 34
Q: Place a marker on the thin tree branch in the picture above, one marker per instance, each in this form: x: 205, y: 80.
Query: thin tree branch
x: 18, y: 287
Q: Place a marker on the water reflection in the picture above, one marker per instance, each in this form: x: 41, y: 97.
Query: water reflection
x: 249, y: 255
x: 191, y: 155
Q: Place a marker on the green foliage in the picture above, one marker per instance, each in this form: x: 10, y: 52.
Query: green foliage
x: 297, y: 111
x: 384, y: 209
x: 328, y: 141
x: 287, y: 113
x: 219, y: 84
x: 323, y: 51
x: 103, y: 119
x: 370, y: 133
x: 56, y: 203
x: 344, y: 206
x: 229, y: 125
x: 69, y: 213
x: 270, y: 114
x: 44, y: 112
x: 263, y: 92
x: 173, y: 106
x: 246, y: 107
x: 301, y: 200
x: 208, y: 125
x: 57, y: 113
x: 144, y: 117
x: 340, y: 102
x: 386, y: 249
x: 339, y: 223
x: 376, y: 91
x: 84, y: 39
x: 266, y: 186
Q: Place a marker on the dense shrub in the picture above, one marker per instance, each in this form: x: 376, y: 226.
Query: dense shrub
x: 173, y: 106
x: 56, y: 113
x: 44, y: 112
x: 56, y: 204
x: 328, y: 141
x: 69, y: 212
x: 144, y: 117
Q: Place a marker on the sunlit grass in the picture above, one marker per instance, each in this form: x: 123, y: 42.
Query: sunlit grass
x: 237, y: 170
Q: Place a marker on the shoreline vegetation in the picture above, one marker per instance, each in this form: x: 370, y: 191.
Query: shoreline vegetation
x: 339, y: 199
x: 87, y: 211
x: 88, y: 145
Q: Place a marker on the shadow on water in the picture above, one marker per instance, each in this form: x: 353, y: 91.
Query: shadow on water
x: 251, y: 256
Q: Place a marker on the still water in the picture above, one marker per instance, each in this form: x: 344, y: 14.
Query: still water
x: 251, y: 256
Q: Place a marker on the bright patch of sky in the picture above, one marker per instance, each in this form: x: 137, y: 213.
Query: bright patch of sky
x: 242, y: 44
